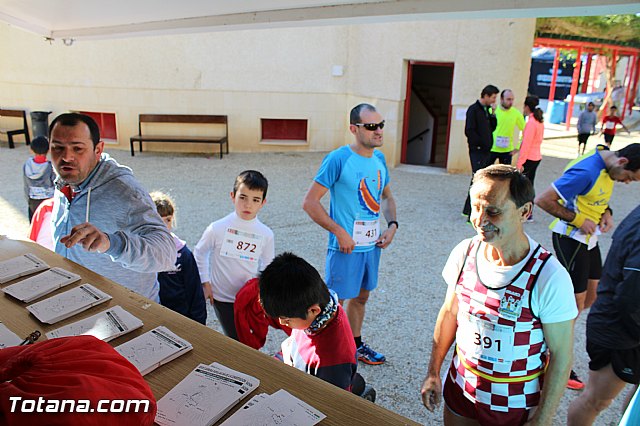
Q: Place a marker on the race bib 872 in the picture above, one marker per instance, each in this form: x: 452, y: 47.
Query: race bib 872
x: 241, y: 245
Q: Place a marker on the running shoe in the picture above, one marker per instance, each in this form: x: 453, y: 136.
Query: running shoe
x: 574, y: 382
x: 369, y: 356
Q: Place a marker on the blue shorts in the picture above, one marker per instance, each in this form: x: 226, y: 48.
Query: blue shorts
x: 347, y: 274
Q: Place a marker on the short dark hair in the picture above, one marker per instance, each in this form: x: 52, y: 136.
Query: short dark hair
x: 354, y: 116
x: 632, y: 153
x: 72, y: 119
x: 489, y: 90
x: 614, y: 107
x: 591, y: 104
x: 252, y: 179
x: 520, y: 187
x: 40, y: 145
x: 289, y: 286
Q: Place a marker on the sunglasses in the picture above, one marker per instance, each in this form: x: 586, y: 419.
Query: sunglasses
x: 371, y: 126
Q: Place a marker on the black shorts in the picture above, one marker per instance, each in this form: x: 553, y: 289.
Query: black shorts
x: 625, y: 362
x: 582, y: 137
x: 608, y: 138
x: 582, y: 264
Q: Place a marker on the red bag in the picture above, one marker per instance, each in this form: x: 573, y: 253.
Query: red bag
x: 84, y: 372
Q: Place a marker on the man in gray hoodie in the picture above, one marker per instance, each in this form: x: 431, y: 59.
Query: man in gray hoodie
x: 102, y: 217
x: 586, y: 126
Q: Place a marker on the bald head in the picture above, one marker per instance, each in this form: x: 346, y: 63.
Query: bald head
x: 506, y: 98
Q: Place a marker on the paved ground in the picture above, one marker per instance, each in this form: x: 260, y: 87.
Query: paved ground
x: 403, y: 310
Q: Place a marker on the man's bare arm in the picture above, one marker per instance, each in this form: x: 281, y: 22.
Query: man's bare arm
x: 548, y: 201
x: 388, y: 206
x: 559, y: 338
x: 444, y: 335
x: 316, y: 211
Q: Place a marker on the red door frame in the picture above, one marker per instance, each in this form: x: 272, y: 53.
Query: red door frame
x: 407, y: 109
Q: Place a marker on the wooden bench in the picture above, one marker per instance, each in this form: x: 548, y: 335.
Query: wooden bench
x: 16, y: 113
x: 182, y: 119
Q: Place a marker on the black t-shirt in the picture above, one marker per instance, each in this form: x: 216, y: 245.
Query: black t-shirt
x: 614, y: 319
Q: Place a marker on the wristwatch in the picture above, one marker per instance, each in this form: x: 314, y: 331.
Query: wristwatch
x: 391, y: 222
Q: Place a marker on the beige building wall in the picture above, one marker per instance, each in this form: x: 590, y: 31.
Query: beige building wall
x: 267, y: 73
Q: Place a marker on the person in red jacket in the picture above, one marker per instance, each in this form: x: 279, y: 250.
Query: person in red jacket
x: 609, y: 124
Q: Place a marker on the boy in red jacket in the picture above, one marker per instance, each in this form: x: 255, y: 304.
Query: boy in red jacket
x: 321, y: 342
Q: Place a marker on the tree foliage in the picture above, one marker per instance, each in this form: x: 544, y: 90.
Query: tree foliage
x: 609, y: 29
x: 615, y: 28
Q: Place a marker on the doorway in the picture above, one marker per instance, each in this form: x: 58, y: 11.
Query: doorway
x: 427, y: 114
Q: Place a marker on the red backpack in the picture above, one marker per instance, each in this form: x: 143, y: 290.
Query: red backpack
x: 81, y: 376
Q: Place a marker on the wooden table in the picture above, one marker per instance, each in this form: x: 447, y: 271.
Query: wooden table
x: 340, y: 407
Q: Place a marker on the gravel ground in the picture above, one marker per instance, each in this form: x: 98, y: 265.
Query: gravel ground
x: 402, y: 311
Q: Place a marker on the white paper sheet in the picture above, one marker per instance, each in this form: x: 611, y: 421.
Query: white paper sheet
x: 106, y: 325
x: 67, y: 304
x: 153, y: 349
x: 40, y: 285
x: 8, y: 338
x: 281, y: 408
x: 20, y: 266
x: 204, y: 396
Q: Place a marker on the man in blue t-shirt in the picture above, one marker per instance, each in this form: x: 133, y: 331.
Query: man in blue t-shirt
x: 357, y: 178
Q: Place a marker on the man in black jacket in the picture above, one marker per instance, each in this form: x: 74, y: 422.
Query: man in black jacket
x: 613, y: 326
x: 479, y: 127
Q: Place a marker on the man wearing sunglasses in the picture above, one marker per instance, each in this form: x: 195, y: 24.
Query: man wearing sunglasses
x: 357, y: 178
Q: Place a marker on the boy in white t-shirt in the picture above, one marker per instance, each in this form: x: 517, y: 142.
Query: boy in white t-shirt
x: 234, y: 249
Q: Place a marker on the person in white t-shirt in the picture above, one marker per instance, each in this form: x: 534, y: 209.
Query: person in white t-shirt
x: 234, y: 249
x: 510, y: 310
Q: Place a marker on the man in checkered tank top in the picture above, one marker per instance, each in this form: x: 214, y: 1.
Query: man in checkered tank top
x: 510, y: 311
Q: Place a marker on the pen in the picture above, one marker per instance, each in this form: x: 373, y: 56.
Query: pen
x: 31, y: 338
